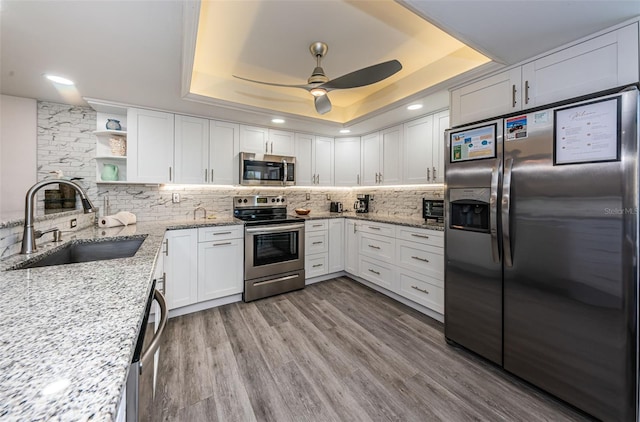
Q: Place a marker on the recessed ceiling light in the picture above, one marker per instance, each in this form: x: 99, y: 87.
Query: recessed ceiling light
x: 345, y: 131
x: 277, y: 120
x: 414, y: 107
x: 59, y: 80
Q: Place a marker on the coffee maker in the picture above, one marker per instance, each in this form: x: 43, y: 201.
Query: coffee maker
x: 362, y: 203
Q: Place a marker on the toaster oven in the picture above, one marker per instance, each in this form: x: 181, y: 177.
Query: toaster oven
x: 433, y: 208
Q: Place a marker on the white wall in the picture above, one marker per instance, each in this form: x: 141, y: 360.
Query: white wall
x: 18, y: 152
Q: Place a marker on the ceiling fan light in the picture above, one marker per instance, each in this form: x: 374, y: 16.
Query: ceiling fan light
x: 318, y: 92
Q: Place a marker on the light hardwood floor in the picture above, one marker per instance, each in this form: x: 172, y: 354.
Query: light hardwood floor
x: 335, y: 351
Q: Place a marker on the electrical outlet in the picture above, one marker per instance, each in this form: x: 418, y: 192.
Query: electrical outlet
x: 370, y: 197
x: 175, y: 198
x: 73, y: 223
x: 308, y: 196
x: 328, y: 197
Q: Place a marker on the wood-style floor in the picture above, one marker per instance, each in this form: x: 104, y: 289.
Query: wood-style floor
x: 335, y: 351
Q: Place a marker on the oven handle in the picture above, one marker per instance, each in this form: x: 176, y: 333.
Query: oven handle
x: 274, y: 229
x: 286, y: 169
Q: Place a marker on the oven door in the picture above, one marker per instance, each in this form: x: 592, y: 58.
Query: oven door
x: 273, y: 249
x: 263, y: 169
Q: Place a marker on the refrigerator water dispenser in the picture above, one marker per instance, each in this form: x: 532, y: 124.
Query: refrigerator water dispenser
x: 470, y: 209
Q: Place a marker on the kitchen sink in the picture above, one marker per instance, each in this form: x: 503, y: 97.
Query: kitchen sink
x: 86, y: 251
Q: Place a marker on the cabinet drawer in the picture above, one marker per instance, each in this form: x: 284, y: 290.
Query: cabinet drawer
x: 421, y: 258
x: 315, y: 265
x: 421, y: 289
x: 377, y: 228
x: 424, y: 236
x: 316, y: 242
x: 378, y: 247
x: 377, y: 272
x: 316, y: 225
x: 206, y: 234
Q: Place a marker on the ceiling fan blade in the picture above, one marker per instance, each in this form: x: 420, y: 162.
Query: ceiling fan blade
x: 306, y: 86
x: 323, y: 105
x: 366, y: 76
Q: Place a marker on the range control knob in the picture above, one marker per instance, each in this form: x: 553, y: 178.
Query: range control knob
x: 282, y: 199
x: 239, y: 201
x: 278, y: 200
x: 245, y: 201
x: 273, y: 200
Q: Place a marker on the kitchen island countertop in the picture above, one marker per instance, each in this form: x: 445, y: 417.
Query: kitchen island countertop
x: 68, y: 332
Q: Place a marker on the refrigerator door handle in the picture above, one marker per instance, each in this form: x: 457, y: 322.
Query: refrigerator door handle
x: 506, y: 210
x: 493, y: 212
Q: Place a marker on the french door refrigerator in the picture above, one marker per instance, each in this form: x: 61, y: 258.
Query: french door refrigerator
x: 541, y: 248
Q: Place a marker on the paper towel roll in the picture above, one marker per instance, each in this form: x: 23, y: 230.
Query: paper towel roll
x: 109, y: 221
x: 123, y: 218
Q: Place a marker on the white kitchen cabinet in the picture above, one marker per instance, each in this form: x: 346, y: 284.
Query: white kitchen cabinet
x: 391, y: 143
x: 440, y: 125
x: 316, y: 243
x: 351, y: 245
x: 418, y: 150
x: 224, y: 145
x: 323, y: 161
x: 281, y: 142
x: 181, y: 267
x: 150, y: 146
x: 254, y: 139
x: 336, y: 245
x: 314, y: 160
x: 220, y: 268
x: 607, y: 61
x: 111, y: 145
x: 370, y: 157
x: 377, y: 272
x: 347, y: 161
x: 426, y: 291
x: 304, y: 159
x: 191, y: 149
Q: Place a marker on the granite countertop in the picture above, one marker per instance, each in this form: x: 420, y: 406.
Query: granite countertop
x: 68, y: 332
x: 401, y: 221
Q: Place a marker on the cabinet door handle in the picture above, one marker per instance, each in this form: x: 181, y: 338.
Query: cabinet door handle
x: 205, y: 175
x: 317, y: 243
x: 271, y: 147
x: 513, y: 95
x: 317, y: 265
x: 211, y: 176
x: 358, y: 176
x: 318, y: 179
x: 374, y: 246
x: 221, y: 244
x: 266, y: 146
x: 374, y: 271
x: 169, y: 173
x: 166, y: 247
x: 380, y: 178
x: 420, y: 235
x: 526, y: 92
x: 420, y: 259
x: 434, y: 174
x: 164, y: 283
x: 428, y: 174
x: 420, y: 290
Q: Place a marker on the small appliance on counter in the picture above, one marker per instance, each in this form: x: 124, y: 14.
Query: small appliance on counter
x: 336, y: 207
x: 433, y: 209
x: 362, y: 203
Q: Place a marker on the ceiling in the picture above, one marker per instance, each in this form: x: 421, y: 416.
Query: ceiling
x: 131, y: 52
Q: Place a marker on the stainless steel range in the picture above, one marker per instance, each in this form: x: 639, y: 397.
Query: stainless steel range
x: 273, y: 246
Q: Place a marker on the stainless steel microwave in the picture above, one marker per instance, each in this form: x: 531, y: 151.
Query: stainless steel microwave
x: 268, y: 170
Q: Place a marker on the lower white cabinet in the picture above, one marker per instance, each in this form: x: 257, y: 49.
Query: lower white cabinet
x: 181, y: 267
x: 316, y: 244
x: 421, y: 289
x: 203, y: 264
x: 336, y: 245
x: 378, y: 272
x: 351, y: 242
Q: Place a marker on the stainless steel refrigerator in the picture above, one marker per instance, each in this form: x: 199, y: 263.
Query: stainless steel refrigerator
x: 541, y: 248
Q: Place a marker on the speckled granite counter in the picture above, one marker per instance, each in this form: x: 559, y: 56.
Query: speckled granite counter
x: 67, y: 332
x: 410, y: 222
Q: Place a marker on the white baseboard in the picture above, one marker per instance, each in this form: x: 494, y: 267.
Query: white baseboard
x: 201, y: 306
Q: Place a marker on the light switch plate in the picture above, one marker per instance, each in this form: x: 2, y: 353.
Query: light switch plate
x: 308, y: 196
x: 73, y: 223
x: 175, y: 198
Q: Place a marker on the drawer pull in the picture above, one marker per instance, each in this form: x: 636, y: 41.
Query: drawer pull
x: 374, y: 246
x: 317, y: 265
x: 420, y: 290
x: 221, y: 244
x: 374, y: 228
x: 317, y: 243
x: 420, y: 259
x: 374, y: 271
x: 424, y: 236
x: 219, y: 233
x: 317, y: 225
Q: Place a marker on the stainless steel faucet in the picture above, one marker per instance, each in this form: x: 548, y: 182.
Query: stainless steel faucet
x: 200, y: 208
x: 29, y: 236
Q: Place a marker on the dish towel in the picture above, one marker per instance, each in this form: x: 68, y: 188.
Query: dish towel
x: 123, y: 218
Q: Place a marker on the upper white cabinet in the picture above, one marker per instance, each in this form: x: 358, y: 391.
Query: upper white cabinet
x: 440, y: 125
x: 607, y: 61
x: 347, y: 161
x: 191, y: 149
x: 370, y: 157
x: 382, y: 157
x: 261, y: 140
x: 150, y: 146
x: 224, y: 145
x: 418, y: 150
x: 314, y: 160
x: 111, y: 148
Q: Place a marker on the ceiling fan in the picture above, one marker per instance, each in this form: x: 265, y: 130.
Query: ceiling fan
x: 319, y: 84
